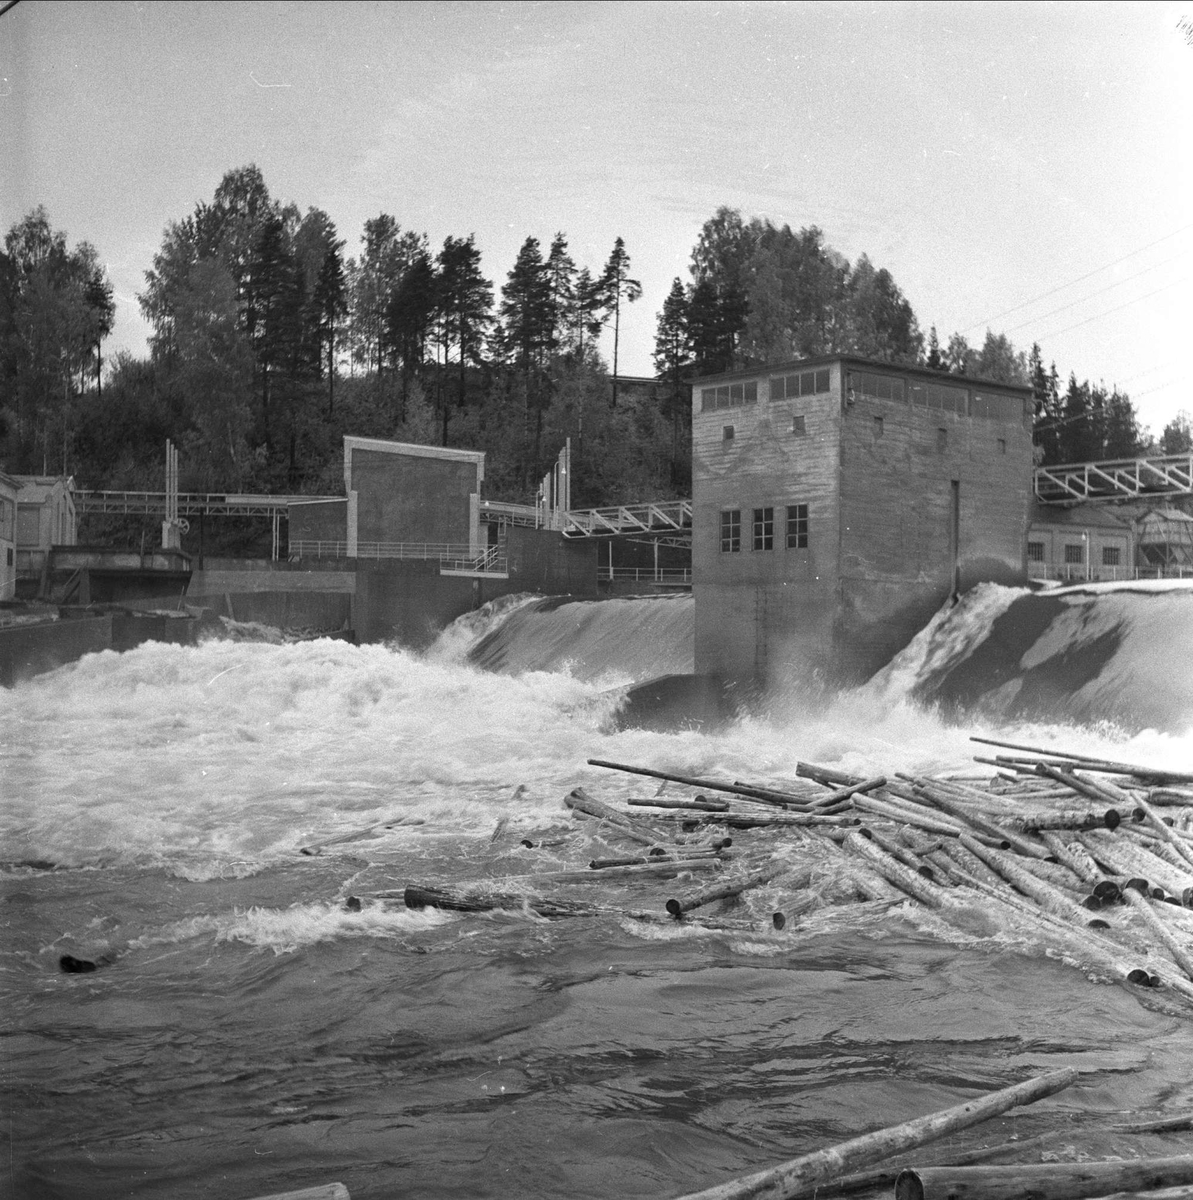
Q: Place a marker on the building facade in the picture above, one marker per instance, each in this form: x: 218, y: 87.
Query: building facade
x: 838, y: 503
x: 1088, y: 542
x: 9, y: 488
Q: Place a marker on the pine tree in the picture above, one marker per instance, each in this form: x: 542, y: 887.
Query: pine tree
x: 330, y: 304
x: 618, y: 288
x: 465, y: 303
x: 672, y: 358
x: 935, y: 360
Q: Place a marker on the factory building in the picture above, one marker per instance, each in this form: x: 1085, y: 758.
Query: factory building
x: 838, y: 503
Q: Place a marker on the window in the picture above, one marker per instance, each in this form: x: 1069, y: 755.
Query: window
x: 878, y: 427
x: 1111, y: 556
x: 879, y: 387
x: 792, y: 387
x: 728, y: 395
x: 992, y: 407
x: 764, y: 529
x: 942, y: 440
x: 1074, y: 553
x: 1035, y: 551
x: 799, y: 426
x: 1002, y: 445
x: 726, y: 433
x: 731, y: 531
x: 797, y: 527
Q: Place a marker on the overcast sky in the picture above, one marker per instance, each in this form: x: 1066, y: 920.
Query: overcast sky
x: 1023, y: 166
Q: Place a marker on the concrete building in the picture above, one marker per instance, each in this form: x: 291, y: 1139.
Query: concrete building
x: 9, y: 488
x: 45, y: 518
x: 1088, y: 542
x: 838, y: 502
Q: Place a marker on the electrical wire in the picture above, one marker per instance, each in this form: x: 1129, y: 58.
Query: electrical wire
x: 1118, y: 307
x: 1079, y: 279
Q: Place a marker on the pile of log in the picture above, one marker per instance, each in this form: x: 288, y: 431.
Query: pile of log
x: 1092, y: 857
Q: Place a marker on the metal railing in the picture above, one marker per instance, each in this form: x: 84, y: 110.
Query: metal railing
x: 451, y: 556
x: 669, y: 575
x: 1092, y: 573
x: 192, y: 504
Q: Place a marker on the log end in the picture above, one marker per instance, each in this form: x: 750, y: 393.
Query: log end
x: 908, y: 1186
x: 675, y: 908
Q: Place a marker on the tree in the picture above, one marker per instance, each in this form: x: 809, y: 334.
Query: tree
x: 883, y: 325
x: 999, y: 360
x: 1177, y: 437
x: 672, y: 359
x: 409, y: 318
x: 464, y: 308
x: 959, y: 356
x: 560, y: 271
x: 1047, y: 408
x: 56, y: 309
x: 935, y: 360
x: 329, y: 303
x: 618, y: 288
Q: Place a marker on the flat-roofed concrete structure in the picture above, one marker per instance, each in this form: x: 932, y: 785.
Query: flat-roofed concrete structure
x: 838, y: 503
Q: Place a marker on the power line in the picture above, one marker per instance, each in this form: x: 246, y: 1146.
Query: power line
x: 1079, y: 279
x: 1083, y: 299
x: 1116, y: 308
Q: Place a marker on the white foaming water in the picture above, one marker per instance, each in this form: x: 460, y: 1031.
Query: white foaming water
x: 217, y: 760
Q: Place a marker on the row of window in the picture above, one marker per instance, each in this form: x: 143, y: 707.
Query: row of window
x: 937, y: 397
x: 729, y: 395
x: 792, y: 387
x: 763, y: 529
x: 1075, y: 554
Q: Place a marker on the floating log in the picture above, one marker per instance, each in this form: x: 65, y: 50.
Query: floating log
x: 416, y: 896
x: 324, y: 1191
x: 1178, y: 843
x: 1127, y: 858
x: 801, y: 1176
x: 1158, y: 1125
x: 1181, y: 956
x: 359, y: 835
x: 983, y: 824
x: 1110, y: 818
x: 909, y: 858
x: 1056, y: 1181
x: 700, y: 803
x: 651, y: 869
x: 895, y: 872
x: 826, y: 775
x: 1087, y: 763
x: 581, y: 801
x: 1044, y: 894
x: 677, y: 906
x: 925, y: 819
x: 1074, y: 855
x: 690, y: 781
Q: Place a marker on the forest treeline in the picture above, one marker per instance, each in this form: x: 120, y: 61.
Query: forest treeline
x: 269, y: 343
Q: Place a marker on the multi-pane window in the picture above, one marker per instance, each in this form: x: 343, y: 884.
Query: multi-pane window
x: 806, y: 383
x: 797, y: 527
x: 878, y: 387
x: 992, y: 407
x: 731, y: 531
x: 1074, y: 553
x: 1035, y: 551
x: 764, y: 529
x: 729, y: 395
x: 1111, y: 556
x: 940, y: 398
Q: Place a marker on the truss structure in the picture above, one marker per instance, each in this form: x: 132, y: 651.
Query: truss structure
x: 666, y: 517
x: 1123, y: 479
x: 191, y: 504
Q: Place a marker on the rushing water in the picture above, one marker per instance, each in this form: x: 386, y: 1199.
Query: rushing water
x: 245, y: 1033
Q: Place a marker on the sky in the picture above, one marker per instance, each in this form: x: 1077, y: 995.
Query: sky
x: 1021, y: 167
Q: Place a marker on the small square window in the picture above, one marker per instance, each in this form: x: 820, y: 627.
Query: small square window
x: 764, y: 529
x: 1035, y: 551
x: 1074, y: 553
x: 799, y: 426
x: 942, y: 440
x: 878, y: 427
x: 1002, y: 445
x: 1111, y: 556
x: 727, y: 433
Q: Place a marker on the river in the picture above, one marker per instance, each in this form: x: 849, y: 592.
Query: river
x: 245, y: 1033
